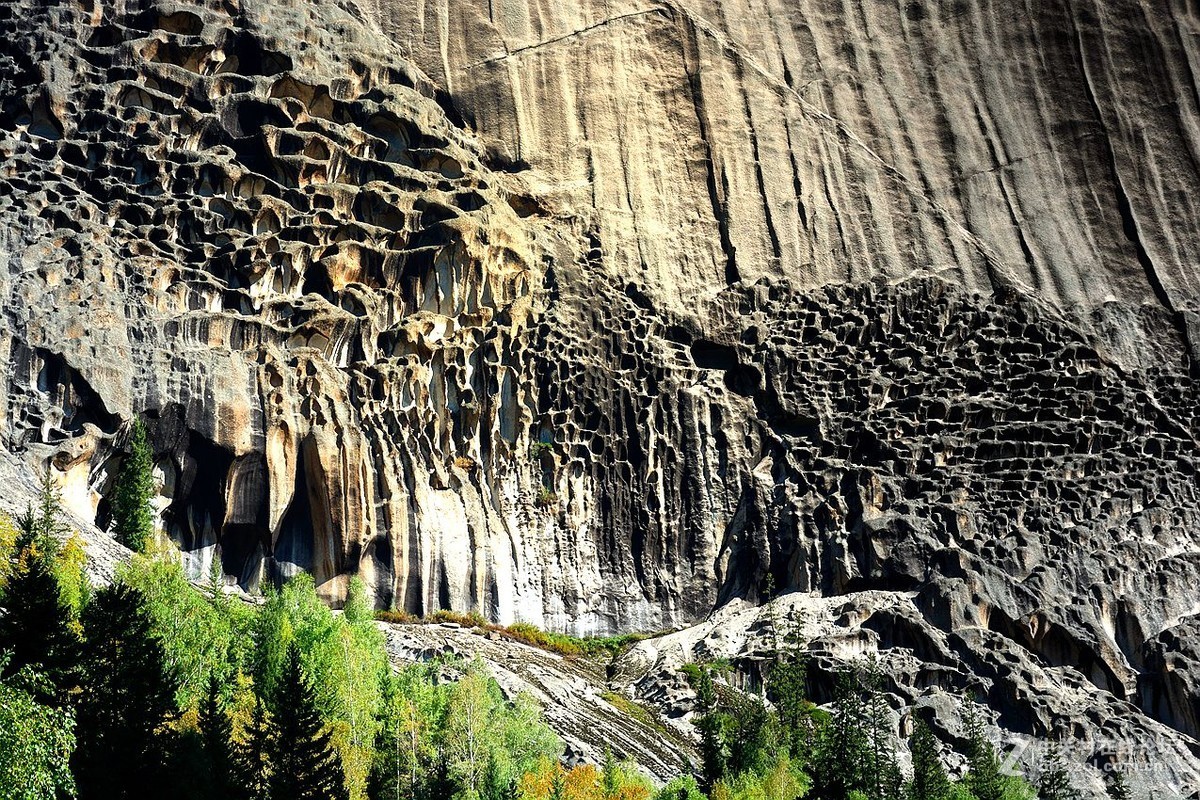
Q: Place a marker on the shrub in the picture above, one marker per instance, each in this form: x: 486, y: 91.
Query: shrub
x: 397, y: 617
x: 538, y: 449
x: 470, y: 619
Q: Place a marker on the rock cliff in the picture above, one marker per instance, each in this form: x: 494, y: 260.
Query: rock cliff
x: 600, y: 315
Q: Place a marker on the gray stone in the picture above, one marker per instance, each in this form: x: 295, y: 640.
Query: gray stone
x: 601, y: 316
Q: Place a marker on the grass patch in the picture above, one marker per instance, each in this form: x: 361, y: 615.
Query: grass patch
x: 567, y: 645
x: 629, y: 708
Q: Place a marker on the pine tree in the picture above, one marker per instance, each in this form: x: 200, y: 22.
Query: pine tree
x: 844, y: 750
x: 132, y: 514
x: 755, y: 740
x: 929, y: 781
x: 128, y: 695
x: 883, y: 777
x: 610, y: 776
x: 35, y: 624
x: 251, y: 757
x: 787, y: 689
x: 1053, y: 782
x: 558, y: 784
x: 983, y: 778
x: 715, y: 728
x: 216, y: 733
x: 47, y: 519
x: 304, y: 765
x: 714, y: 725
x: 1118, y: 788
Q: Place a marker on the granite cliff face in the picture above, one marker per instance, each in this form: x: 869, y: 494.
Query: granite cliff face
x: 600, y: 315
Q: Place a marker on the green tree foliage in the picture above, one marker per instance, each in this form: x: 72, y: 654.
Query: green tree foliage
x: 799, y: 718
x: 929, y: 780
x: 983, y: 776
x: 303, y: 762
x: 201, y: 636
x: 1118, y: 787
x: 756, y: 743
x: 8, y: 548
x: 70, y: 570
x: 46, y: 515
x: 716, y: 726
x: 984, y: 780
x: 1053, y: 781
x: 843, y: 753
x: 884, y: 779
x: 610, y: 776
x: 343, y: 655
x: 36, y: 740
x: 133, y: 516
x: 216, y: 736
x: 127, y: 698
x: 488, y: 742
x: 744, y: 749
x: 780, y: 780
x: 681, y: 788
x: 406, y: 760
x: 716, y: 729
x: 619, y: 781
x: 49, y: 535
x: 558, y: 786
x: 252, y: 756
x: 35, y: 624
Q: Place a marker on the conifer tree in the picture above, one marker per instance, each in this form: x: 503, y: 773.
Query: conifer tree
x: 787, y: 689
x: 1054, y: 783
x: 610, y: 776
x: 304, y: 765
x: 133, y: 517
x: 48, y: 526
x: 983, y: 778
x: 34, y: 622
x: 714, y: 725
x: 1118, y: 788
x: 753, y: 738
x: 883, y: 777
x: 216, y: 734
x: 251, y: 756
x: 844, y: 751
x: 128, y: 695
x: 558, y: 785
x: 929, y: 781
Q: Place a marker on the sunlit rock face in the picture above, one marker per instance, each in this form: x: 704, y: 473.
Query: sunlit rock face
x: 264, y: 234
x: 599, y: 315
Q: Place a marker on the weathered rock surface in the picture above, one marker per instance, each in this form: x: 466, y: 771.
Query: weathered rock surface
x: 590, y: 709
x: 600, y: 315
x: 928, y: 674
x: 1048, y: 144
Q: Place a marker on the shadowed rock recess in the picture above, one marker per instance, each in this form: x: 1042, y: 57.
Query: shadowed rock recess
x: 600, y: 315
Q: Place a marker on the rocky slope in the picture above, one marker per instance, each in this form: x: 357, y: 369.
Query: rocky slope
x: 601, y: 315
x: 640, y: 706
